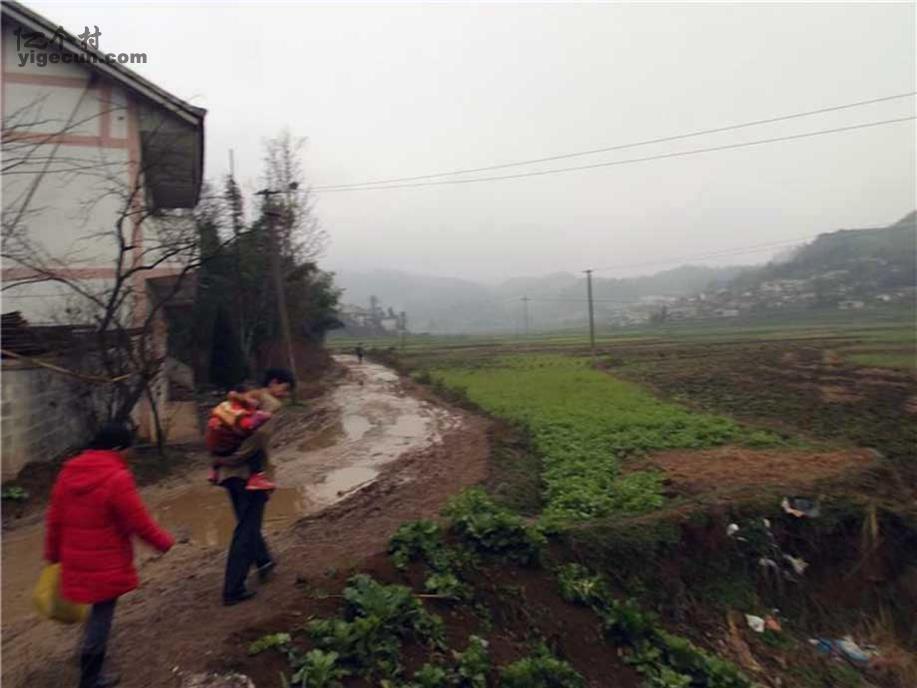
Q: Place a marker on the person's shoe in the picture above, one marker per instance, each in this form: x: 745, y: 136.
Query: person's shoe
x: 214, y: 476
x: 266, y: 571
x: 236, y: 599
x: 259, y: 481
x: 91, y: 668
x: 108, y: 679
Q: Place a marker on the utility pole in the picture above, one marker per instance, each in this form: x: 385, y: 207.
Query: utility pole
x: 591, y: 314
x: 525, y: 315
x: 404, y: 328
x: 278, y: 280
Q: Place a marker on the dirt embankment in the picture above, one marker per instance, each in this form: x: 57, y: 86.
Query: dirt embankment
x: 384, y: 456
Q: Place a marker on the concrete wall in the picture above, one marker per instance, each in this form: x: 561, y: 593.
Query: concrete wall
x: 43, y: 415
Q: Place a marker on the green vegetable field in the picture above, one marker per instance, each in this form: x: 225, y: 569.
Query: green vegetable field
x: 585, y: 424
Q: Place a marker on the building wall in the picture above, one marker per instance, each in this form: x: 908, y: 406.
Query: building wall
x: 90, y: 134
x: 42, y: 415
x: 83, y: 136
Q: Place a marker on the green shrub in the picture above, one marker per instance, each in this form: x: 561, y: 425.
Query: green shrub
x: 540, y: 670
x: 490, y: 529
x: 267, y: 642
x: 377, y: 619
x: 319, y: 669
x: 419, y: 540
x: 473, y: 664
x: 577, y: 584
x: 448, y: 585
x: 429, y: 676
x: 14, y: 493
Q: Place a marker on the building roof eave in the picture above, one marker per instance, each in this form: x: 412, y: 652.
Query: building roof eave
x: 96, y: 61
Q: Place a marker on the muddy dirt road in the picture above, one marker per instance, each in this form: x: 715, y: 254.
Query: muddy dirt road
x: 383, y: 455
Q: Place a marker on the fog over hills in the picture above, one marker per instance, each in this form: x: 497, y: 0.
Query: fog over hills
x: 857, y: 268
x: 449, y: 305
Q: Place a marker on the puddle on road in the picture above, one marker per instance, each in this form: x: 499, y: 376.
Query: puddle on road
x: 341, y: 481
x: 324, y: 438
x: 409, y: 426
x: 202, y: 514
x: 355, y: 426
x: 205, y: 514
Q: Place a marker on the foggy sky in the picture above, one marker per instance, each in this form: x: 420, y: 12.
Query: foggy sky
x: 385, y: 91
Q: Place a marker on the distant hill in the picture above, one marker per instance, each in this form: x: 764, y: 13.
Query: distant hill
x: 848, y: 262
x: 434, y: 304
x: 849, y: 268
x: 449, y: 305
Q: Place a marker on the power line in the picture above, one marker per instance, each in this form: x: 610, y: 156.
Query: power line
x: 629, y: 161
x: 623, y: 146
x: 727, y: 252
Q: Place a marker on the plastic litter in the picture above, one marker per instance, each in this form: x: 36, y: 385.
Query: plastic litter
x: 799, y: 565
x: 801, y: 507
x: 755, y: 623
x: 822, y: 646
x: 846, y: 648
x: 732, y: 529
x: 853, y: 652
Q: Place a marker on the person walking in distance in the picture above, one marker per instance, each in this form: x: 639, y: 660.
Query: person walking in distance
x: 360, y: 352
x: 94, y: 513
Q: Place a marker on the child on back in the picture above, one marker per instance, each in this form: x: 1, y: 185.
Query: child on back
x: 231, y: 422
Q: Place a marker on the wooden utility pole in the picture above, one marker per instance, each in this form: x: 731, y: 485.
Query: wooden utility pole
x: 280, y: 294
x: 591, y: 313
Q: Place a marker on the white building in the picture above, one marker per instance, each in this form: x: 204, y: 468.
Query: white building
x: 80, y: 134
x: 88, y: 146
x: 390, y: 324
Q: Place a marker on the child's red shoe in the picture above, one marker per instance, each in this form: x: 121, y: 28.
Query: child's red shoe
x: 214, y: 476
x: 259, y: 481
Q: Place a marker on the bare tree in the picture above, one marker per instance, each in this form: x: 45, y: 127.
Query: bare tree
x: 300, y: 234
x: 124, y: 316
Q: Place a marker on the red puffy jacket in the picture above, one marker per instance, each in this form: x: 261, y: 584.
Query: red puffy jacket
x: 95, y: 509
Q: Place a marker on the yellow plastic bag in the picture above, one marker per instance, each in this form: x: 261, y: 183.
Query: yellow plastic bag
x: 49, y: 603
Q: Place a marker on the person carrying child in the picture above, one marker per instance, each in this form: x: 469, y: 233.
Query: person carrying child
x: 231, y: 423
x: 248, y: 547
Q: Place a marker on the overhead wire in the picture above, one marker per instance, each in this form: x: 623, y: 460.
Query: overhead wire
x: 629, y: 161
x: 716, y: 254
x: 607, y: 149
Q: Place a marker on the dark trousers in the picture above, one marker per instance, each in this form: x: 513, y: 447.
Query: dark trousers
x: 95, y: 641
x: 248, y: 546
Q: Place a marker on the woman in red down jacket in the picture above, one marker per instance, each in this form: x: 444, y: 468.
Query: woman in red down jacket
x: 95, y: 510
